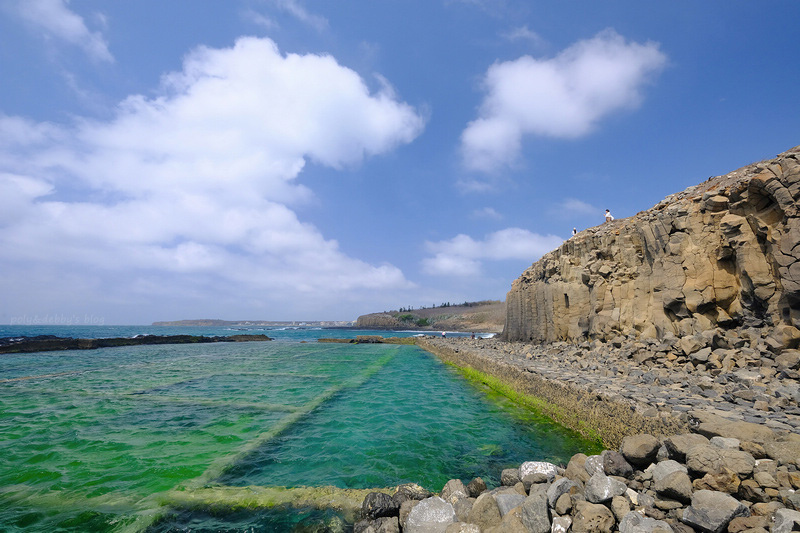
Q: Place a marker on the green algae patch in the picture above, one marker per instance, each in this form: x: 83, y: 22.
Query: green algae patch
x: 227, y: 498
x: 592, y: 415
x: 537, y: 405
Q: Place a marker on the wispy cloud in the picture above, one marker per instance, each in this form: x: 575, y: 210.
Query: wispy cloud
x: 56, y: 21
x: 487, y: 213
x: 463, y: 256
x: 563, y: 97
x: 573, y: 206
x: 194, y: 187
x: 523, y: 33
x: 297, y: 10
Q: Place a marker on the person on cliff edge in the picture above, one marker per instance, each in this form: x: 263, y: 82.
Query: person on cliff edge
x: 608, y: 215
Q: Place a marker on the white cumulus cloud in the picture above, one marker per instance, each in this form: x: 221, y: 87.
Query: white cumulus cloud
x: 57, y: 21
x: 196, y: 184
x: 462, y: 255
x: 562, y: 97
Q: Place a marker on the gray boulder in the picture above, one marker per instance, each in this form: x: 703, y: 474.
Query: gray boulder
x: 485, y: 512
x: 634, y: 522
x: 594, y: 465
x: 506, y: 502
x: 453, y: 491
x: 476, y: 487
x: 786, y: 521
x: 385, y: 524
x: 535, y: 515
x: 593, y: 518
x: 538, y: 467
x: 640, y: 450
x: 614, y: 464
x: 712, y: 511
x: 711, y: 459
x: 664, y: 468
x: 676, y: 485
x: 600, y: 488
x: 561, y: 486
x: 678, y: 445
x: 561, y: 524
x: 510, y: 477
x: 431, y: 515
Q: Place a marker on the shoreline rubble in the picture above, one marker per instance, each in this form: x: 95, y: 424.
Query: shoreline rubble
x: 723, y: 455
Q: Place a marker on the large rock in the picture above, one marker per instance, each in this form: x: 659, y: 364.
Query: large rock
x: 722, y: 252
x: 640, y: 450
x: 593, y: 518
x: 559, y: 487
x: 378, y: 504
x: 535, y: 512
x: 786, y: 521
x: 706, y: 459
x: 485, y: 512
x: 431, y: 515
x: 538, y: 467
x: 601, y: 488
x: 678, y: 445
x: 712, y: 511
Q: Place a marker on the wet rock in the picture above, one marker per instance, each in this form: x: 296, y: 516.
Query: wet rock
x: 476, y: 487
x: 378, y: 504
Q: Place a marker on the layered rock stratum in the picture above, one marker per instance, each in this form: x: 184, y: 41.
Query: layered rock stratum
x: 719, y: 255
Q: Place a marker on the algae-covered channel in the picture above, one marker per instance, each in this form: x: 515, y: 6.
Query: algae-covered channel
x: 224, y: 437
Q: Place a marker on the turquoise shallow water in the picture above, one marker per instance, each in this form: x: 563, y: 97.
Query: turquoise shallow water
x: 92, y: 440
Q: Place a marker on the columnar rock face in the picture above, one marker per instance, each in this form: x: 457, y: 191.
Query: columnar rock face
x: 722, y: 254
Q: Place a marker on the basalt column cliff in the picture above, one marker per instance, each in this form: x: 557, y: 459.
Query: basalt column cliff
x: 722, y: 254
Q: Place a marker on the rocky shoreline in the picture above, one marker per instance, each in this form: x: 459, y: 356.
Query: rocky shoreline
x: 702, y: 438
x: 46, y: 343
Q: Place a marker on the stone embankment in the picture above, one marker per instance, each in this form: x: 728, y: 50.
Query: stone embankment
x: 694, y: 447
x: 724, y: 253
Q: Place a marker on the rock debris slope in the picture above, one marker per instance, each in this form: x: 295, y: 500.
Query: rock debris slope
x: 722, y: 254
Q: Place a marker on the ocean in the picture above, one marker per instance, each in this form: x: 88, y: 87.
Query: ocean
x: 118, y: 439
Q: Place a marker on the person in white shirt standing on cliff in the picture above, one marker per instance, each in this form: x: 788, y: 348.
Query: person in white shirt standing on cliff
x: 609, y: 217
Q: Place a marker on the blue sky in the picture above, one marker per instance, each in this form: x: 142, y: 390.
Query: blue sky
x: 318, y: 160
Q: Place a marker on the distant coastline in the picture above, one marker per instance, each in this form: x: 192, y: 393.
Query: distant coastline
x: 212, y: 322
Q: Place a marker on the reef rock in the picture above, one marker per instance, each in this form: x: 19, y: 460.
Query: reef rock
x: 725, y: 253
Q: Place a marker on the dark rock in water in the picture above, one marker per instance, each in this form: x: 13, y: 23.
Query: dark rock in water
x: 476, y: 487
x: 378, y: 504
x: 46, y: 343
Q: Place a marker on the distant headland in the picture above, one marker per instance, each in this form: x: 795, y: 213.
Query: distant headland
x: 212, y: 322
